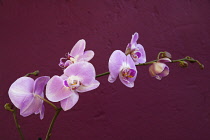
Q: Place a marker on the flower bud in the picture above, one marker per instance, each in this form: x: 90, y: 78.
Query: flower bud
x: 166, y: 54
x: 183, y: 64
x: 202, y: 66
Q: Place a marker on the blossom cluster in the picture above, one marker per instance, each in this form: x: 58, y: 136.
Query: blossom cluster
x: 79, y: 76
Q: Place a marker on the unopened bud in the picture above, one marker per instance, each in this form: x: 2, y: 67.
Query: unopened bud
x: 202, y: 66
x: 166, y: 55
x: 183, y: 64
x: 8, y: 107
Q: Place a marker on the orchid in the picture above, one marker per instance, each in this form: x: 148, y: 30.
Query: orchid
x: 79, y: 77
x: 136, y: 50
x: 24, y: 94
x: 77, y: 54
x: 159, y: 69
x: 122, y: 65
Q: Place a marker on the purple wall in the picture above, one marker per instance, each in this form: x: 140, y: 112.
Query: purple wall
x: 35, y: 34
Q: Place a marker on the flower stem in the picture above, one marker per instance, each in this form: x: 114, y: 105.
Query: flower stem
x: 45, y: 100
x: 54, y: 118
x: 35, y: 73
x: 187, y: 58
x: 16, y: 123
x: 52, y: 123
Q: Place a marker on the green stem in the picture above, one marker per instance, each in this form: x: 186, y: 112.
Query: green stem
x: 35, y: 73
x: 151, y: 62
x: 16, y: 123
x: 52, y: 123
x: 54, y: 118
x: 55, y: 107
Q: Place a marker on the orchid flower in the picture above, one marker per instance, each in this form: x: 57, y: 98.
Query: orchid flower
x: 79, y: 77
x: 159, y: 69
x: 122, y: 65
x: 77, y: 54
x: 23, y: 93
x: 136, y: 50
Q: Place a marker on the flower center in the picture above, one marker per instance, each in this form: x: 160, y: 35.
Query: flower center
x: 129, y: 73
x: 72, y: 82
x: 136, y: 54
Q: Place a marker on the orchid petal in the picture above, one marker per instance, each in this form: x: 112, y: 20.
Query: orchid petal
x: 55, y: 90
x: 30, y: 106
x: 78, y: 48
x: 116, y: 61
x: 134, y: 38
x: 87, y: 56
x: 21, y: 89
x: 142, y: 59
x: 40, y: 83
x: 84, y: 70
x: 69, y: 102
x: 165, y: 71
x: 42, y: 110
x: 92, y: 86
x: 164, y: 60
x: 130, y: 63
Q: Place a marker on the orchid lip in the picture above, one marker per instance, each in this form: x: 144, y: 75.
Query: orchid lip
x: 129, y: 73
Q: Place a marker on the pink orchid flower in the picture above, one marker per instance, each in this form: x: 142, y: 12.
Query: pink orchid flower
x: 23, y: 93
x: 79, y: 77
x: 159, y: 69
x: 136, y: 50
x: 122, y: 65
x: 77, y: 54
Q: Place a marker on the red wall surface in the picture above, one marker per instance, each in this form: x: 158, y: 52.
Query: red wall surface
x: 35, y: 34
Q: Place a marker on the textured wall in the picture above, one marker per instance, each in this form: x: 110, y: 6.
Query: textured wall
x: 35, y: 34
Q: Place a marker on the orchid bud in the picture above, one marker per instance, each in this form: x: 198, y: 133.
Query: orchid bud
x: 183, y: 64
x: 166, y: 55
x: 202, y: 66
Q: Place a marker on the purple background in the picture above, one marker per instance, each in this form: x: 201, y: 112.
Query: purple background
x: 35, y: 34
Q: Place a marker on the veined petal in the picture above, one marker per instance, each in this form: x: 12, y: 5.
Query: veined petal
x: 55, y: 89
x: 30, y: 106
x: 116, y: 61
x: 69, y: 102
x: 142, y: 59
x: 84, y: 70
x: 21, y: 89
x: 87, y: 56
x: 134, y: 38
x: 78, y: 48
x: 92, y: 86
x: 40, y: 83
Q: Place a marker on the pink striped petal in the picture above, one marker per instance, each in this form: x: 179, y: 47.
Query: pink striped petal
x: 87, y: 56
x: 69, y: 102
x: 134, y: 38
x: 142, y: 58
x: 92, y: 86
x: 55, y: 89
x: 30, y: 106
x: 116, y: 61
x: 20, y: 90
x: 40, y: 83
x: 78, y: 48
